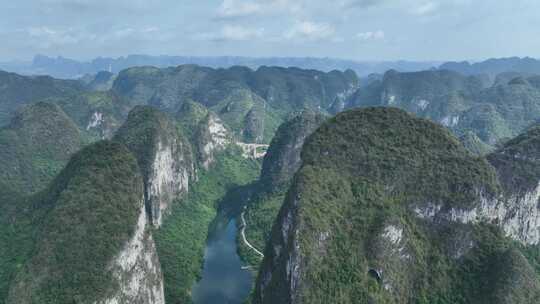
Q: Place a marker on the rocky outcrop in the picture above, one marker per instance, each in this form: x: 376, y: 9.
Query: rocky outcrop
x: 164, y: 156
x: 518, y: 215
x: 168, y: 179
x: 212, y: 138
x: 137, y: 269
x: 101, y: 124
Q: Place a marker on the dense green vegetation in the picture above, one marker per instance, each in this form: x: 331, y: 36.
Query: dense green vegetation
x: 462, y: 103
x: 252, y: 103
x: 16, y: 237
x: 517, y: 161
x: 181, y: 239
x: 260, y: 216
x: 17, y: 91
x: 363, y: 172
x: 35, y: 146
x: 82, y: 107
x: 190, y: 115
x: 91, y: 211
x: 475, y: 144
x: 423, y: 157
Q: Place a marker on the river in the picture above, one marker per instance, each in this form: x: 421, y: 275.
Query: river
x: 223, y: 279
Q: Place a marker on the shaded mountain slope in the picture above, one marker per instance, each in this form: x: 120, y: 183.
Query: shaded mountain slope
x: 279, y: 166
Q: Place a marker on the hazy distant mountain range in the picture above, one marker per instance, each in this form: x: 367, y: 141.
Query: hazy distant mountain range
x: 61, y: 67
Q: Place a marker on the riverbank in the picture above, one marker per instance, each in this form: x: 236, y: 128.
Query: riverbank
x: 182, y: 239
x: 224, y: 280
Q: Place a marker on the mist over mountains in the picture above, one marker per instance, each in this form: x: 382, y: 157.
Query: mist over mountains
x: 61, y: 67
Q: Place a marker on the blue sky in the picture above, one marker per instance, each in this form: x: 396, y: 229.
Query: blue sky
x: 354, y: 29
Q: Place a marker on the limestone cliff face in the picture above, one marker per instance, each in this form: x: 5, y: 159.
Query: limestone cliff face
x: 137, y: 269
x: 168, y: 178
x: 212, y: 137
x: 164, y: 156
x: 517, y: 214
x: 103, y: 124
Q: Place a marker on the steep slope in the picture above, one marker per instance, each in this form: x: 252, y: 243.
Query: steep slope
x: 101, y: 81
x: 15, y: 241
x: 17, y: 91
x: 35, y: 146
x: 282, y: 159
x: 518, y: 163
x: 251, y: 103
x: 212, y: 137
x: 93, y: 212
x: 461, y: 103
x: 475, y: 144
x: 164, y: 156
x: 279, y: 166
x: 431, y: 94
x: 388, y: 208
x: 512, y: 108
x: 182, y: 237
x: 97, y: 114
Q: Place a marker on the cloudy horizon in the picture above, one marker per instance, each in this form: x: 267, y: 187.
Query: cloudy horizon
x: 423, y: 30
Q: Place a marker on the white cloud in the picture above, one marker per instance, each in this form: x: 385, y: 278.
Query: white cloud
x: 232, y: 33
x: 46, y: 37
x: 245, y: 8
x: 425, y: 8
x: 144, y: 34
x: 361, y: 3
x: 99, y: 5
x: 307, y: 30
x: 368, y: 36
x: 235, y: 8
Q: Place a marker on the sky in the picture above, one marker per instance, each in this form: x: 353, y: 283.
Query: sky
x: 375, y: 30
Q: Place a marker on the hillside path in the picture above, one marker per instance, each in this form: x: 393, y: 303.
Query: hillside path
x: 243, y: 232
